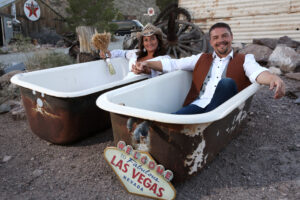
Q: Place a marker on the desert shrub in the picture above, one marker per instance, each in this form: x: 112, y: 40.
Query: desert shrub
x: 3, y: 51
x: 19, y: 43
x: 45, y: 60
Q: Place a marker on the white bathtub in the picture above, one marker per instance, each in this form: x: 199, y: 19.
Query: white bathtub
x: 60, y: 102
x: 183, y: 143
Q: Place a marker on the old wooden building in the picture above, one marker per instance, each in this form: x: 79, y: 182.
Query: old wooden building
x: 6, y: 28
x: 248, y: 18
x: 6, y: 24
x: 32, y: 16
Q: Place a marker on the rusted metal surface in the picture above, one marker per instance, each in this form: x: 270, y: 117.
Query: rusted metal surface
x: 63, y: 120
x: 184, y: 149
x: 248, y: 19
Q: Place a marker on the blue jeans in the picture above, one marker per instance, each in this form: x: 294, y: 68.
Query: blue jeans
x: 226, y: 89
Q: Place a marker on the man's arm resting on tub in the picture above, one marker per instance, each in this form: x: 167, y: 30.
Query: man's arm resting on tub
x: 273, y: 81
x: 265, y: 77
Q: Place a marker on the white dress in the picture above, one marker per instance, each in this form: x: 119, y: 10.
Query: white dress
x: 131, y: 56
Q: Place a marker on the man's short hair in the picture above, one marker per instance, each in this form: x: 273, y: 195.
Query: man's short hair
x: 220, y: 25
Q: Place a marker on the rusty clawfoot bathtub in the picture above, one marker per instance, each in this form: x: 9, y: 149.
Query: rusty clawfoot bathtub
x: 60, y: 102
x: 183, y: 143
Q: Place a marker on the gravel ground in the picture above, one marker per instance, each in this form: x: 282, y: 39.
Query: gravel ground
x: 262, y: 163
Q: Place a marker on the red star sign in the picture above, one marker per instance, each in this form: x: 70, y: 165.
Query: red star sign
x: 32, y: 10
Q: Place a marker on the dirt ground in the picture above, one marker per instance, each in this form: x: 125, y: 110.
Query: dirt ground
x: 262, y: 163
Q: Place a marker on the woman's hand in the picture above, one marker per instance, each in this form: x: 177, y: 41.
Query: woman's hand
x: 103, y: 54
x: 140, y: 67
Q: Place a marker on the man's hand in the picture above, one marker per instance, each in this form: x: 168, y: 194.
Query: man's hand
x: 140, y: 67
x: 273, y: 81
x: 277, y: 83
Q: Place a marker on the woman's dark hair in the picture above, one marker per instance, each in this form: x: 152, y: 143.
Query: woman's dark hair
x: 160, y: 51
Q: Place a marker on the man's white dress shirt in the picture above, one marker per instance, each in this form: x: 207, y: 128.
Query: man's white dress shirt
x: 251, y: 67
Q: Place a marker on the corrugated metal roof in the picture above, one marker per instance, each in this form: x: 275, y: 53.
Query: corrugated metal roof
x: 248, y: 19
x: 5, y: 2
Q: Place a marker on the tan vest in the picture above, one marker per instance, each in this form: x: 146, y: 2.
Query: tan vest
x: 235, y: 71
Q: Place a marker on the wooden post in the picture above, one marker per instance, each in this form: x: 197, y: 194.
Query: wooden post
x: 87, y: 50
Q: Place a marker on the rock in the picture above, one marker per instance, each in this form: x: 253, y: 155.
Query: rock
x: 5, y: 79
x: 14, y: 103
x: 298, y: 182
x: 60, y: 43
x: 4, y: 108
x: 295, y: 76
x: 268, y: 42
x: 37, y: 172
x: 4, y: 49
x: 12, y: 88
x: 237, y: 47
x: 14, y: 67
x: 2, y: 97
x: 6, y: 158
x: 288, y: 42
x: 8, y: 90
x: 291, y: 95
x: 275, y: 70
x: 18, y: 113
x: 297, y: 101
x: 261, y: 53
x: 298, y: 50
x: 285, y: 58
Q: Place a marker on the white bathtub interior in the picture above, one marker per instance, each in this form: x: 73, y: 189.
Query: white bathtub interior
x: 162, y: 95
x: 76, y: 79
x: 156, y: 98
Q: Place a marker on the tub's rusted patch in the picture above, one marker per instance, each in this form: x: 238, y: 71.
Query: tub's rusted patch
x: 194, y: 130
x: 39, y: 108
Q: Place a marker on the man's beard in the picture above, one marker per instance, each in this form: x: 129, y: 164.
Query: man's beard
x: 223, y: 51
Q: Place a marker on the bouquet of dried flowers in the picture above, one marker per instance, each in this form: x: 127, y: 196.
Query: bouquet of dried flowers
x: 101, y: 42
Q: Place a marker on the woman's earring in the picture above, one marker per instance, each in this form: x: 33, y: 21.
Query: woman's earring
x: 144, y: 50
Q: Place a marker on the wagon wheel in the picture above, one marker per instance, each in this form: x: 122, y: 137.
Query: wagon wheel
x: 189, y: 39
x: 179, y: 14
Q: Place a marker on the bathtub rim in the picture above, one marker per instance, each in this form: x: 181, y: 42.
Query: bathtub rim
x: 220, y: 112
x: 17, y: 80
